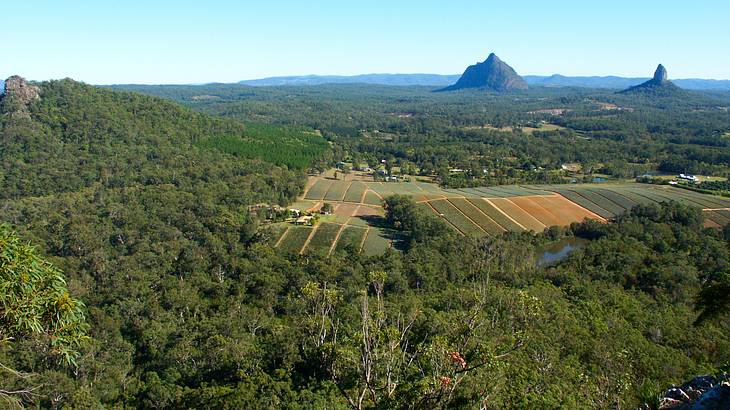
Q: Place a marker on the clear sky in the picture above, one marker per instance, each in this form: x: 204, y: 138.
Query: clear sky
x: 182, y: 41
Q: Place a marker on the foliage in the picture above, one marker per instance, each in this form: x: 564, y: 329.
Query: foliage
x: 622, y: 135
x: 190, y: 307
x: 294, y: 147
x: 35, y: 304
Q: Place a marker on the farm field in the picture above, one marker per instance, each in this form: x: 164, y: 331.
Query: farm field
x: 351, y: 236
x: 294, y: 239
x: 376, y: 242
x: 324, y: 236
x: 479, y: 211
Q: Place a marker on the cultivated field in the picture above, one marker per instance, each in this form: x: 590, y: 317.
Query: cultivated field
x: 484, y: 211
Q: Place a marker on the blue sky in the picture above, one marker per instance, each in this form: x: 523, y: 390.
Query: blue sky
x: 161, y: 41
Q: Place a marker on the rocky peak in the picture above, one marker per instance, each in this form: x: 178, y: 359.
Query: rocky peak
x: 493, y: 74
x: 658, y: 86
x: 17, y: 96
x: 660, y: 75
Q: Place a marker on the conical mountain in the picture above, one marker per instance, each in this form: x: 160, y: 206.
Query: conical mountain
x: 492, y: 74
x: 659, y: 85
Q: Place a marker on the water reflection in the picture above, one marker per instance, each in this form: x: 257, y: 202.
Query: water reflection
x: 554, y: 252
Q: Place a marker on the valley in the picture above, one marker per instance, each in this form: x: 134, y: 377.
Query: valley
x: 174, y: 236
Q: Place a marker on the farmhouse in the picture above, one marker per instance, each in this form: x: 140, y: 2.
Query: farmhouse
x: 688, y: 177
x: 304, y: 220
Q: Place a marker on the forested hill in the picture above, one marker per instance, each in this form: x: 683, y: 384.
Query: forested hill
x: 76, y: 135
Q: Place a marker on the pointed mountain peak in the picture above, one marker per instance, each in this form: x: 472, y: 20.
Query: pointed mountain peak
x: 659, y: 85
x: 660, y: 75
x: 493, y: 74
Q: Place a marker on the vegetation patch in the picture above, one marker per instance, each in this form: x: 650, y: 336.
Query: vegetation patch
x: 319, y: 189
x: 295, y: 239
x: 355, y: 192
x: 455, y: 217
x: 473, y: 213
x: 295, y: 147
x: 323, y: 237
x: 351, y: 237
x: 376, y: 242
x: 336, y: 191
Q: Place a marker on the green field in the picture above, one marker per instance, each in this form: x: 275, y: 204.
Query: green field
x: 352, y: 236
x: 295, y: 238
x: 295, y: 147
x: 319, y: 189
x: 355, y: 192
x: 456, y: 218
x: 473, y: 213
x: 337, y: 190
x: 376, y: 242
x: 494, y: 213
x: 371, y: 198
x: 323, y: 237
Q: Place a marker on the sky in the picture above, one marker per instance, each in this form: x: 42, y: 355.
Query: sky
x: 178, y: 42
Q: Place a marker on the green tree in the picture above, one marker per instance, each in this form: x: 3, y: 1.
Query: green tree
x: 35, y: 303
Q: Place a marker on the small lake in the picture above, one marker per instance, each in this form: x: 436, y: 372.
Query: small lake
x: 550, y: 254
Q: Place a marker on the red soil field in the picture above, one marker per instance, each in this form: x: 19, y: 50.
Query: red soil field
x: 346, y: 209
x: 518, y: 214
x: 565, y: 211
x: 534, y: 208
x: 366, y: 211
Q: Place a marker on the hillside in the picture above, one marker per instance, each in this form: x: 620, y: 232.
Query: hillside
x: 84, y: 136
x: 491, y: 74
x: 146, y: 207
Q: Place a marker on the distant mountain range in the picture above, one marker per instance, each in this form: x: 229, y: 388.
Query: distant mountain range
x: 440, y: 80
x: 383, y: 79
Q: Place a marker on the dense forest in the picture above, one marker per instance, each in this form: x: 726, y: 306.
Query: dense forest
x: 517, y: 137
x: 174, y: 298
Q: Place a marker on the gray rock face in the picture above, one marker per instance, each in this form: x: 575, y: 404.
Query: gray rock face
x: 660, y: 75
x: 659, y: 85
x: 700, y: 393
x: 17, y: 97
x: 493, y: 74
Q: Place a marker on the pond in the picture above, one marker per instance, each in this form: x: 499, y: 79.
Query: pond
x: 556, y: 251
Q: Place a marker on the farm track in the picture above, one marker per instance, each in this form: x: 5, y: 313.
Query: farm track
x: 309, y: 239
x: 281, y: 238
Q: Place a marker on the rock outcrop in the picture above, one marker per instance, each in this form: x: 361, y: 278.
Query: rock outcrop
x: 492, y: 74
x: 18, y: 96
x: 660, y: 75
x: 659, y: 85
x: 701, y: 393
